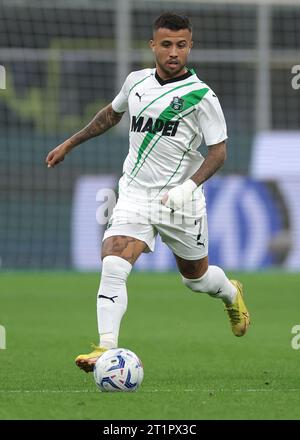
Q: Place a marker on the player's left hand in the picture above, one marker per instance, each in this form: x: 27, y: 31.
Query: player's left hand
x: 178, y: 196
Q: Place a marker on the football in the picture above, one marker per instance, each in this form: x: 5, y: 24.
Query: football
x: 118, y: 369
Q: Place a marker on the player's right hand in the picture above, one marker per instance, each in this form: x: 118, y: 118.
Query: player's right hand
x: 55, y: 156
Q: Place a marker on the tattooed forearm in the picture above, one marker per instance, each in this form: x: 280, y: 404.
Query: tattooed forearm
x: 103, y: 121
x: 214, y: 160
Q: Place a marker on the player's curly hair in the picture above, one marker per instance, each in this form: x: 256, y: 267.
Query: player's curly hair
x: 172, y: 21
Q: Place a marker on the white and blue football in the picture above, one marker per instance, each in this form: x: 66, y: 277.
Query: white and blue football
x: 118, y: 369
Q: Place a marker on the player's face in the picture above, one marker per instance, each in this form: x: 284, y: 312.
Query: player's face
x: 171, y: 49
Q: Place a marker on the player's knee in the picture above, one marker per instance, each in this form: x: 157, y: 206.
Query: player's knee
x: 115, y: 268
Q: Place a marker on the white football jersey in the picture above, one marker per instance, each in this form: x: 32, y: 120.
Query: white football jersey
x: 168, y: 120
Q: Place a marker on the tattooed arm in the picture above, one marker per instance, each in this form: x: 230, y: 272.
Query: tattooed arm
x: 103, y: 121
x: 214, y: 160
x: 179, y: 195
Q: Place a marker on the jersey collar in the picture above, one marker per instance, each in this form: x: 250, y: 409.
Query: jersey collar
x: 186, y: 75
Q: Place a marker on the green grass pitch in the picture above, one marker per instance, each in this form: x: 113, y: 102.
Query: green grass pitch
x: 194, y: 367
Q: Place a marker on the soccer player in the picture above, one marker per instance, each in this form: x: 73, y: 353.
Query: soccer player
x: 171, y: 110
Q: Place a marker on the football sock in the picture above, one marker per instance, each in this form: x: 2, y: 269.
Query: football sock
x: 215, y: 283
x: 112, y: 299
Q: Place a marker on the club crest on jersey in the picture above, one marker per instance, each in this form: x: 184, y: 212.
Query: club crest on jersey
x: 177, y: 103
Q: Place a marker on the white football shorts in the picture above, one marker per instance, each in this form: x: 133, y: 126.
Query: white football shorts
x: 184, y: 232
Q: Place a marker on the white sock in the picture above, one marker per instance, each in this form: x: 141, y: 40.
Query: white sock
x: 215, y: 283
x: 112, y: 299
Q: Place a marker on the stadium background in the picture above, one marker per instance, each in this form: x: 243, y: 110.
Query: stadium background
x: 66, y: 60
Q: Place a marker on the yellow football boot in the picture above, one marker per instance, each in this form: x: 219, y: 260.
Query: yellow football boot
x: 87, y: 361
x: 238, y: 313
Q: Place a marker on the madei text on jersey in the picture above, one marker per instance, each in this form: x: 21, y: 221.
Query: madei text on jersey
x: 167, y: 128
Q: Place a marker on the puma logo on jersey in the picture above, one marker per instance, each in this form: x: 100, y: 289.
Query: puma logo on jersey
x: 167, y: 128
x: 139, y: 96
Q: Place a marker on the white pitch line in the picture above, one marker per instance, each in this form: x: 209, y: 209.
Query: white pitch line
x: 222, y: 390
x: 45, y: 391
x: 211, y: 391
